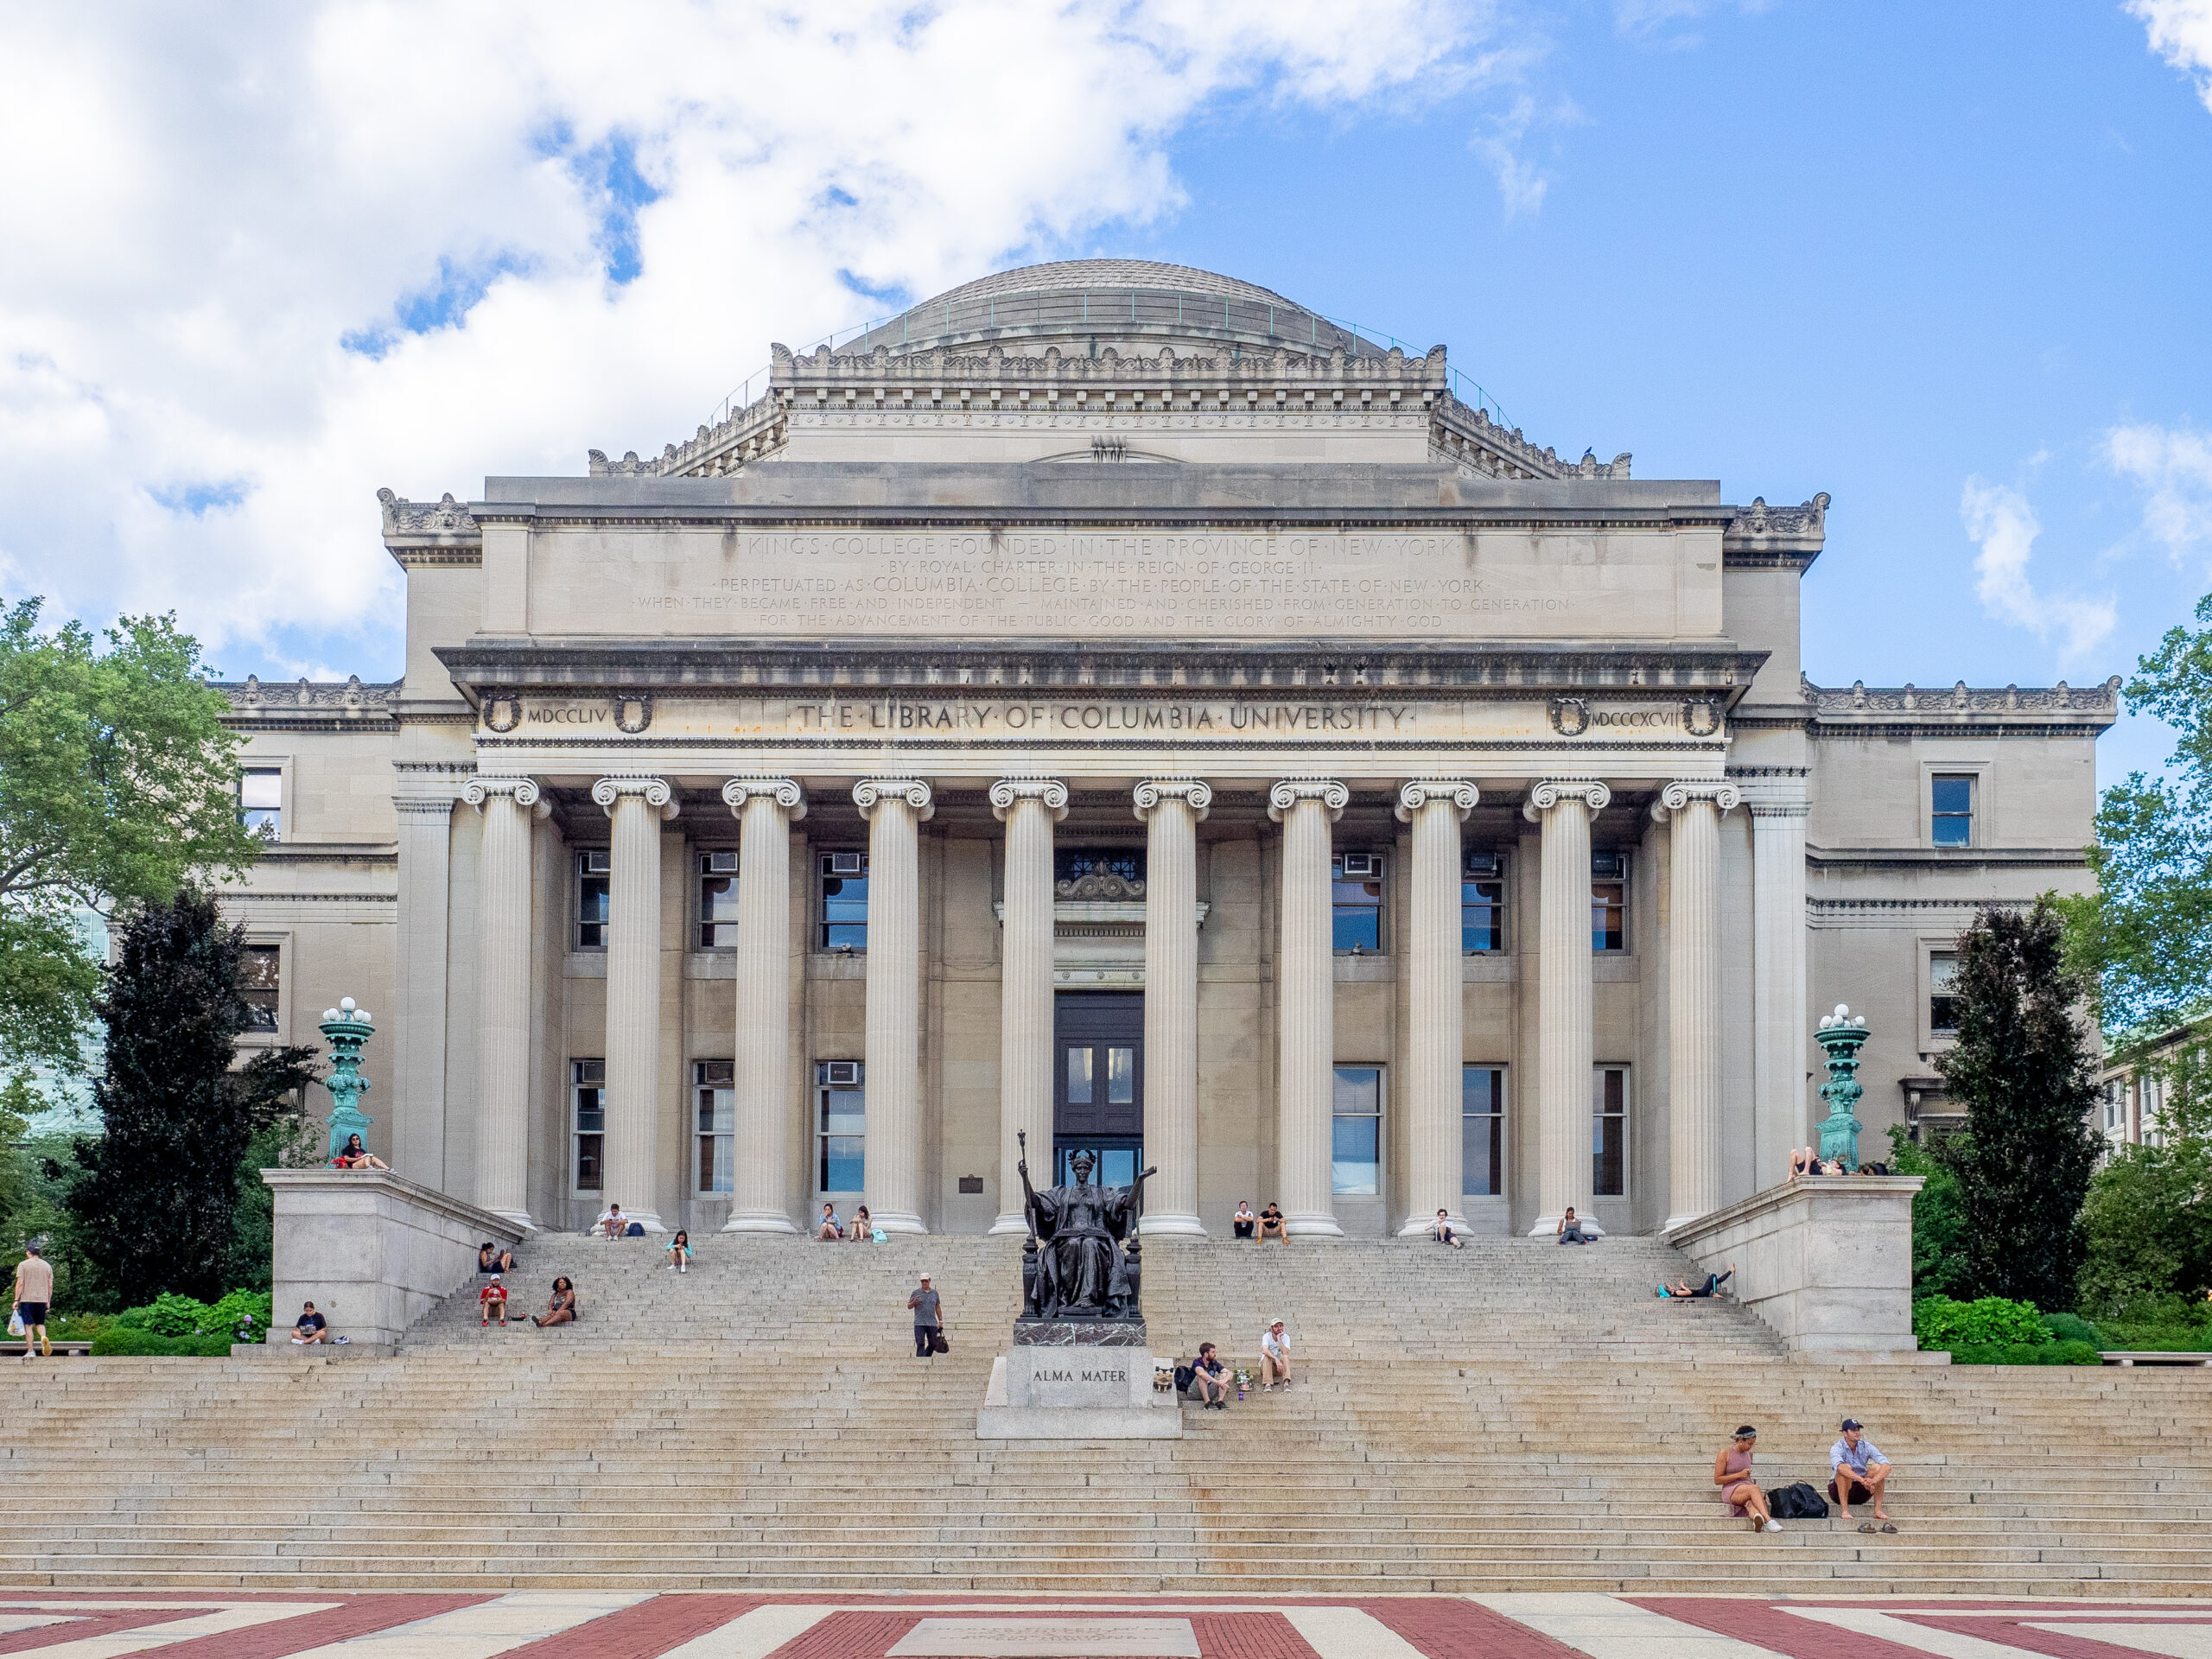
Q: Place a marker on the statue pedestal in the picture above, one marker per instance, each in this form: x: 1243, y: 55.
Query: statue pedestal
x: 1076, y: 1380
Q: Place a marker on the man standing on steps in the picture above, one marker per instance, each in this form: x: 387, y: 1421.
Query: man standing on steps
x: 928, y: 1319
x: 33, y: 1295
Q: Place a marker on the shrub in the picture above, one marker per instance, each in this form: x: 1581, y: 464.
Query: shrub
x: 241, y: 1315
x: 138, y: 1340
x: 2070, y: 1327
x: 1991, y: 1321
x: 2027, y: 1353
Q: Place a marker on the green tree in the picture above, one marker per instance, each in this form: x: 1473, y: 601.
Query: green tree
x: 2147, y: 1223
x: 154, y: 1200
x: 2023, y: 1068
x: 1938, y: 1268
x: 117, y: 780
x: 2145, y: 935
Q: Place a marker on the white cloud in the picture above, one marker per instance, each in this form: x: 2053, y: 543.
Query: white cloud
x: 261, y: 260
x: 2181, y: 33
x: 1659, y: 19
x: 2173, y: 465
x: 2003, y: 525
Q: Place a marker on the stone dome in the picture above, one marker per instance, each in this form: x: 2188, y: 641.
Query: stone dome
x: 1085, y: 304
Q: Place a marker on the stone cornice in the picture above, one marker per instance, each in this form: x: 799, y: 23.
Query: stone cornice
x: 429, y: 532
x: 1763, y: 537
x: 858, y: 666
x: 308, y: 705
x: 1946, y: 858
x: 2008, y: 710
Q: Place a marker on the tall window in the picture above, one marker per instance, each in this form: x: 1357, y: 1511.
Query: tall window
x: 713, y: 1091
x: 1482, y: 903
x: 1355, y: 892
x: 1943, y: 1004
x: 1950, y: 809
x: 1609, y: 1132
x: 840, y: 1109
x: 844, y: 901
x: 261, y: 982
x: 1609, y: 901
x: 1355, y: 1142
x: 717, y: 902
x: 588, y: 1120
x: 1482, y: 1131
x: 261, y: 801
x: 594, y: 865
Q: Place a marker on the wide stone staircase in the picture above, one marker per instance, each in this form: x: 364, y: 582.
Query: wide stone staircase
x: 1513, y: 1416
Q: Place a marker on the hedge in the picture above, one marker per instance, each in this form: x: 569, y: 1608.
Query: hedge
x: 138, y: 1340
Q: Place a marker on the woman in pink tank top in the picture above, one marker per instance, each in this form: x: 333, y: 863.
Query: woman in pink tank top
x: 1732, y: 1473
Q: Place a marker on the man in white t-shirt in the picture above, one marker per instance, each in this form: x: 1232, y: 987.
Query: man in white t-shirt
x: 1274, y: 1357
x: 614, y: 1223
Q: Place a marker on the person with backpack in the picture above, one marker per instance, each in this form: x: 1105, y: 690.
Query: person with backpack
x: 929, y: 1320
x: 1732, y: 1473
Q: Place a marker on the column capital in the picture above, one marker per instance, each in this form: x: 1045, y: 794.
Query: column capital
x: 1196, y: 792
x: 525, y: 792
x: 1676, y: 795
x: 1550, y: 792
x: 736, y: 791
x: 915, y: 793
x: 656, y: 792
x: 1007, y: 791
x: 1284, y: 796
x: 1414, y: 796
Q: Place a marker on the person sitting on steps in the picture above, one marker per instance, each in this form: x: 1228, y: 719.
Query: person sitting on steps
x: 562, y: 1308
x: 1243, y: 1221
x: 1271, y: 1226
x: 679, y: 1251
x: 862, y: 1230
x: 1861, y: 1473
x: 494, y: 1258
x: 1210, y: 1380
x: 1732, y: 1473
x: 357, y: 1156
x: 612, y: 1223
x: 1443, y: 1233
x: 493, y: 1295
x: 1274, y: 1357
x: 309, y: 1328
x: 827, y: 1227
x: 1571, y: 1230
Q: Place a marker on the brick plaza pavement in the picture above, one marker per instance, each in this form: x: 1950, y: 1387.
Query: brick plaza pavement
x: 584, y: 1624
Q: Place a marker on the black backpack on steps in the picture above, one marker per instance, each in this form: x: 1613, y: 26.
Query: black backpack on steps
x: 1798, y: 1500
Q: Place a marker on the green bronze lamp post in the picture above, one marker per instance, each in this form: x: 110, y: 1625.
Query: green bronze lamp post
x: 1840, y: 1035
x: 349, y: 1028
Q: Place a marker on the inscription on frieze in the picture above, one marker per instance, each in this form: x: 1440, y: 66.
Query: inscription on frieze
x: 1227, y: 584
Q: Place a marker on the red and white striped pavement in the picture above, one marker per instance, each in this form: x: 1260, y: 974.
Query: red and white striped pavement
x: 587, y: 1624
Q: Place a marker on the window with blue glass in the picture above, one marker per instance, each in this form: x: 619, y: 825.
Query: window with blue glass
x: 1609, y: 901
x: 261, y: 802
x: 1951, y: 817
x: 1356, y: 1139
x: 1482, y: 1131
x: 1356, y: 901
x: 840, y: 1109
x: 844, y: 901
x: 1481, y: 904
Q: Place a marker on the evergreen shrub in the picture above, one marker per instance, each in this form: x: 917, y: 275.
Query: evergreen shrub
x: 1986, y: 1322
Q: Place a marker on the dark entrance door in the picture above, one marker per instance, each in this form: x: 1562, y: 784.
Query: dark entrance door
x: 1098, y: 1083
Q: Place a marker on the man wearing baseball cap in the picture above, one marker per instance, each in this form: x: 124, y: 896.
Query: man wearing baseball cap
x: 929, y: 1318
x: 1861, y: 1471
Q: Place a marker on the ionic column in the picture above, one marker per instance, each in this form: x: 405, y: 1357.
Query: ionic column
x: 1306, y: 996
x: 894, y: 808
x: 637, y: 807
x: 765, y: 809
x: 1564, y: 1056
x: 503, y: 993
x: 1428, y: 1101
x: 1029, y: 807
x: 1778, y: 993
x: 1172, y: 810
x: 1693, y: 811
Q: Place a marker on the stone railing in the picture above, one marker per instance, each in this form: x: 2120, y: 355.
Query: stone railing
x: 372, y: 1250
x: 1826, y: 1259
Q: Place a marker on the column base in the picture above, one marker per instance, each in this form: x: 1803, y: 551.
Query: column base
x: 1673, y: 1222
x: 1167, y: 1226
x: 1320, y: 1224
x: 892, y: 1222
x: 760, y: 1221
x: 1008, y: 1224
x: 648, y: 1219
x: 520, y: 1217
x: 1418, y: 1226
x: 1548, y: 1227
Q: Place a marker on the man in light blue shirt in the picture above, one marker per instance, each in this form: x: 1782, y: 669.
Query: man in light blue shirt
x: 1861, y: 1471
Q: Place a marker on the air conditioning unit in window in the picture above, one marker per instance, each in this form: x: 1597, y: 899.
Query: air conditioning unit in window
x: 1363, y: 864
x: 845, y: 1070
x: 844, y: 863
x: 721, y: 863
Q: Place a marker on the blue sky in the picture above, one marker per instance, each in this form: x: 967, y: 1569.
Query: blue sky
x: 1948, y: 263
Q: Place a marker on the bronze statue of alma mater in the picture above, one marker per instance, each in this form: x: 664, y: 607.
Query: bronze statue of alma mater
x: 1073, y: 1266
